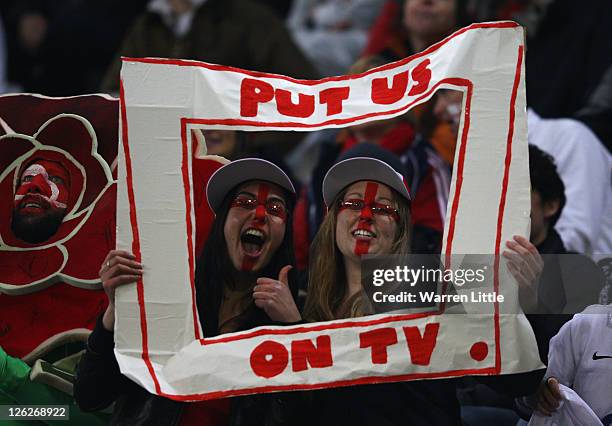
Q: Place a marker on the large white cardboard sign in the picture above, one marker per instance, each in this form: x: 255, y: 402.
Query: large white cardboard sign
x: 159, y: 342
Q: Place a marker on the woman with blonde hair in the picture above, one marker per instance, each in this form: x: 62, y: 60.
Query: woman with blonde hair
x: 369, y: 213
x: 371, y: 216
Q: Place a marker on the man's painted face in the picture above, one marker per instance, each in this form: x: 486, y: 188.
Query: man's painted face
x: 255, y: 225
x: 40, y: 201
x: 367, y: 220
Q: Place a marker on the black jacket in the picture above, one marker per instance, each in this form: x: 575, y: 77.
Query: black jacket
x: 99, y: 383
x: 568, y: 284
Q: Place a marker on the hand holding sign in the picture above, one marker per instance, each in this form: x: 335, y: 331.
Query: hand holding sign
x: 274, y: 297
x: 119, y: 267
x: 548, y: 397
x: 525, y: 265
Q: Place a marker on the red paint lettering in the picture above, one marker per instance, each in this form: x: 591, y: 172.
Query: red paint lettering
x: 421, y: 347
x: 421, y: 76
x: 304, y: 108
x: 305, y: 353
x: 252, y: 93
x: 333, y: 98
x: 269, y: 359
x: 378, y: 340
x: 383, y: 95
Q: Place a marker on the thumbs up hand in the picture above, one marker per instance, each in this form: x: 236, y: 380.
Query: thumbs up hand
x: 274, y: 297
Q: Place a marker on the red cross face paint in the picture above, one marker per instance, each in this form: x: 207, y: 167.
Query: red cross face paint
x: 367, y: 220
x: 40, y: 202
x: 255, y: 225
x: 43, y: 183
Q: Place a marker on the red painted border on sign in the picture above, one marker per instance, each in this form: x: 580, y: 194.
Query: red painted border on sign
x: 339, y: 383
x: 346, y: 323
x: 188, y: 221
x: 502, y: 200
x: 135, y: 234
x: 337, y: 121
x: 258, y: 74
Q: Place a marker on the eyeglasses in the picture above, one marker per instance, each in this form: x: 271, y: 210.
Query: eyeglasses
x: 272, y: 206
x: 379, y: 209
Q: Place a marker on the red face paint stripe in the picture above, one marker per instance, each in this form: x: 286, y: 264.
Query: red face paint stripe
x: 262, y: 197
x: 363, y: 246
x: 262, y: 193
x: 248, y: 263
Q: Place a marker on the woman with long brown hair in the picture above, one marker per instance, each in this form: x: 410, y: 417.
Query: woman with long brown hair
x: 249, y: 245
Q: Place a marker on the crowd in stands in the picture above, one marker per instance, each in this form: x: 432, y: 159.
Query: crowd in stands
x: 72, y: 47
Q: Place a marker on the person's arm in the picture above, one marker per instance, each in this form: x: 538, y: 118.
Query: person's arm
x: 98, y: 380
x: 562, y: 364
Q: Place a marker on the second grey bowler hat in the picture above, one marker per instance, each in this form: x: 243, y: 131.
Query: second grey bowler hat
x: 365, y: 161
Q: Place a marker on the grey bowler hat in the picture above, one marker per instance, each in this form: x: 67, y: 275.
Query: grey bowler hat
x: 356, y: 169
x: 239, y: 171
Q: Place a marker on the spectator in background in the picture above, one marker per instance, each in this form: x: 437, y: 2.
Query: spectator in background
x: 585, y: 167
x: 332, y: 33
x: 567, y: 284
x: 238, y: 33
x: 234, y: 145
x: 566, y: 62
x: 579, y: 371
x: 583, y: 163
x: 61, y: 48
x: 568, y: 59
x: 441, y: 122
x: 399, y: 32
x: 229, y: 144
x: 241, y: 33
x: 597, y: 113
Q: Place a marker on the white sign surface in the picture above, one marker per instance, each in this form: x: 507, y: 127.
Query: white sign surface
x: 159, y: 342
